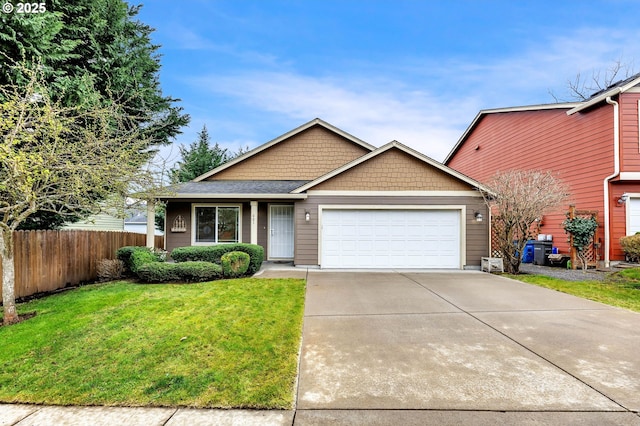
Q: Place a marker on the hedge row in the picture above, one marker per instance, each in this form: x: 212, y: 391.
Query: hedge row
x: 158, y: 272
x: 194, y: 264
x: 214, y: 254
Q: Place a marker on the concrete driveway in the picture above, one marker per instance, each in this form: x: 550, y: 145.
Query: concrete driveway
x: 462, y: 347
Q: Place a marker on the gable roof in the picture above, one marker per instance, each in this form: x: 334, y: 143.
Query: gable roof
x: 484, y: 112
x: 614, y: 89
x: 382, y: 149
x: 298, y: 130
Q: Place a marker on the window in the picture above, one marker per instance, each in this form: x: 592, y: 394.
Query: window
x: 215, y: 224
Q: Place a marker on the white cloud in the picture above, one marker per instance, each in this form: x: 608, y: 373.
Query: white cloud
x: 426, y: 105
x: 374, y: 110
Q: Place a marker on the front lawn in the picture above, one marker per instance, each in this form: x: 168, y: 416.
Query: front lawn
x: 229, y: 343
x: 621, y: 289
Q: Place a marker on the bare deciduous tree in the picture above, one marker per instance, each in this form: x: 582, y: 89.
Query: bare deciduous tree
x: 518, y: 198
x: 60, y: 159
x: 582, y: 88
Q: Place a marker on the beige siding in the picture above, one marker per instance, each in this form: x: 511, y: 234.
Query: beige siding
x: 98, y: 222
x: 304, y: 156
x: 393, y: 170
x: 306, y: 239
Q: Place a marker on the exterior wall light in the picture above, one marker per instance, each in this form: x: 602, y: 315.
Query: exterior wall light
x: 478, y: 216
x: 623, y: 198
x: 307, y: 216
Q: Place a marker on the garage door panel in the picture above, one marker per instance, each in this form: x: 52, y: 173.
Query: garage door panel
x: 391, y: 239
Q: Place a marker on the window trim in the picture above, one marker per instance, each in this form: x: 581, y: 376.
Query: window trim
x: 194, y: 206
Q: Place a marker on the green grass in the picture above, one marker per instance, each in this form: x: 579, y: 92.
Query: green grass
x: 230, y: 343
x: 621, y: 289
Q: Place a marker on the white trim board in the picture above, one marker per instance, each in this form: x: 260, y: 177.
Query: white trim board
x: 312, y: 192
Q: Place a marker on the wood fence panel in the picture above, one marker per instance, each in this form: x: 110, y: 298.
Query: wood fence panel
x: 46, y: 261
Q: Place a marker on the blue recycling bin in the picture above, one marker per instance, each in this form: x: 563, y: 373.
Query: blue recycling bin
x: 527, y: 256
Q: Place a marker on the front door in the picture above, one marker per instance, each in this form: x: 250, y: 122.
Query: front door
x: 280, y: 231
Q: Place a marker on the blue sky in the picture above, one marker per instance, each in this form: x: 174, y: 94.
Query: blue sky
x: 407, y: 70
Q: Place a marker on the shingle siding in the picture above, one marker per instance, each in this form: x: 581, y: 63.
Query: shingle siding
x: 393, y: 170
x: 304, y: 156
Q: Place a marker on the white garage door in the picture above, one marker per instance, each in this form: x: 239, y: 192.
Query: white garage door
x: 390, y: 239
x: 633, y: 211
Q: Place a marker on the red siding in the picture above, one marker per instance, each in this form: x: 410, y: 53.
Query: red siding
x: 579, y: 148
x: 630, y: 155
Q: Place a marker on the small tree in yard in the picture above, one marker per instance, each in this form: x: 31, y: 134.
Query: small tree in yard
x: 581, y: 230
x: 519, y: 198
x: 61, y: 159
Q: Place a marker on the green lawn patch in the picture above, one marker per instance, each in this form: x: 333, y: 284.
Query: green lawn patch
x: 228, y: 343
x: 621, y: 289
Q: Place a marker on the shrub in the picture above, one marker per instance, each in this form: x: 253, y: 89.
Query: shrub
x: 110, y: 269
x: 198, y: 271
x: 234, y: 263
x: 125, y: 254
x: 134, y: 257
x: 214, y: 254
x: 140, y: 258
x: 158, y: 272
x: 631, y: 247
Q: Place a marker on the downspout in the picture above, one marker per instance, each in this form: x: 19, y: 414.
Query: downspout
x: 616, y: 172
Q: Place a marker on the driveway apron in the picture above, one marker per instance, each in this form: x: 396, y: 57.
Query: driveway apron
x: 464, y: 341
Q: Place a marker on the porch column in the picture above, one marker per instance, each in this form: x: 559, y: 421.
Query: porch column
x: 151, y: 223
x: 254, y: 222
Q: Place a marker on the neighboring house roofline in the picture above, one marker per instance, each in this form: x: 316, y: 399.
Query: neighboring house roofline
x: 300, y: 129
x: 482, y: 113
x: 613, y: 90
x: 384, y: 148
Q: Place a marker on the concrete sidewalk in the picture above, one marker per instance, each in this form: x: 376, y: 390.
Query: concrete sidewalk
x: 417, y: 348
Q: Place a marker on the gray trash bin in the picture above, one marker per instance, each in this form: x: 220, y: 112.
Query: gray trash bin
x: 541, y: 252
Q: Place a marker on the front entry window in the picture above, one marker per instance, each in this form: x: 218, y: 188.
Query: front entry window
x: 217, y: 224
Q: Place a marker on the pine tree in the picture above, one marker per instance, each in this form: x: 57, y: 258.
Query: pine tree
x: 89, y: 53
x: 199, y: 158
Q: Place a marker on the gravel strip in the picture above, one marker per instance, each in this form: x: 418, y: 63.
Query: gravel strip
x: 563, y: 273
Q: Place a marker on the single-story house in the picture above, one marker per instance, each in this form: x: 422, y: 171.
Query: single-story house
x: 319, y: 196
x: 593, y: 146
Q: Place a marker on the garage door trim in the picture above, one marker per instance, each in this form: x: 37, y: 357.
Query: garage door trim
x: 461, y: 208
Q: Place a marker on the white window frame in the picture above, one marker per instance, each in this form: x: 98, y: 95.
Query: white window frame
x: 194, y: 225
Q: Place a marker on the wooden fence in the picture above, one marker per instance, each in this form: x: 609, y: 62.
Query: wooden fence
x: 46, y: 261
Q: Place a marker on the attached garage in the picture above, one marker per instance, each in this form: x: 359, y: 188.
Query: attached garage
x: 391, y: 238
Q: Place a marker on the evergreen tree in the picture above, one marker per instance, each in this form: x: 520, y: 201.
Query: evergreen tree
x: 199, y: 158
x: 91, y: 52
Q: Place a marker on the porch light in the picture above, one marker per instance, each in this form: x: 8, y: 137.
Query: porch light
x: 623, y: 198
x: 307, y: 216
x: 478, y: 217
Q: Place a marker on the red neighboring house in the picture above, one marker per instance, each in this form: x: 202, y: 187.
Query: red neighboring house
x: 593, y: 146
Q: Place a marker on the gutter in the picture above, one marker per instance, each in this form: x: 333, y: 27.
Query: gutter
x: 616, y: 172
